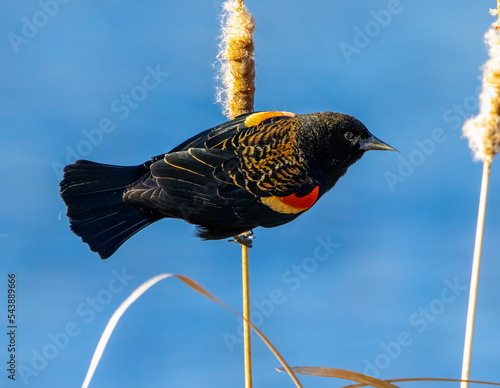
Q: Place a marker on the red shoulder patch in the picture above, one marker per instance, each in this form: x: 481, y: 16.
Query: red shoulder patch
x: 256, y: 118
x: 302, y: 203
x: 291, y: 204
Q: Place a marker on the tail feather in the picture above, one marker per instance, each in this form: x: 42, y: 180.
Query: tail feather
x: 93, y: 193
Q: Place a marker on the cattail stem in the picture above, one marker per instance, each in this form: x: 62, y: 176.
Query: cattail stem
x: 246, y: 314
x: 476, y: 262
x: 237, y: 74
x: 483, y: 132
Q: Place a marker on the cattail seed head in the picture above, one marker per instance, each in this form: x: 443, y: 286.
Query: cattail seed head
x: 483, y: 131
x: 236, y: 58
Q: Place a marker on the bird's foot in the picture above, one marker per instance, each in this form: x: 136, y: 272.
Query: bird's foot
x: 244, y: 239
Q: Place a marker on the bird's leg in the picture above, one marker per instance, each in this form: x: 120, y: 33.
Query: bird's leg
x: 244, y: 239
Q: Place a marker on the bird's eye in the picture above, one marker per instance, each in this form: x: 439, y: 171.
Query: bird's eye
x: 348, y: 135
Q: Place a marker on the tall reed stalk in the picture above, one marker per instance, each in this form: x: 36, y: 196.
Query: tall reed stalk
x: 483, y: 132
x: 237, y: 74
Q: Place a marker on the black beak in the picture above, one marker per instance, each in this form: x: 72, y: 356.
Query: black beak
x: 372, y: 143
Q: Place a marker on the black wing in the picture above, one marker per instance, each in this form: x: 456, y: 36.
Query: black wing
x: 188, y: 185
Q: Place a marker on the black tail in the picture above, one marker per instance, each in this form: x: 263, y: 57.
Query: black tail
x: 93, y: 193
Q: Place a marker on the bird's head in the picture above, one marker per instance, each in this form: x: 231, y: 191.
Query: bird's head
x: 335, y: 141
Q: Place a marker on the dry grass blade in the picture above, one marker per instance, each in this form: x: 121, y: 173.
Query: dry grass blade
x: 114, y: 320
x: 367, y: 380
x: 141, y: 290
x: 341, y: 374
x: 195, y: 286
x: 425, y: 379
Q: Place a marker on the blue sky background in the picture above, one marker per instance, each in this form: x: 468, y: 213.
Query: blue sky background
x: 404, y: 223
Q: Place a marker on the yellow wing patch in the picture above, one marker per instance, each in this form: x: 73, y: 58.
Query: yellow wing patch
x: 291, y: 204
x: 257, y: 118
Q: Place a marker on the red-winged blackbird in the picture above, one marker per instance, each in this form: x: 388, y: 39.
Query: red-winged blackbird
x: 260, y: 169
